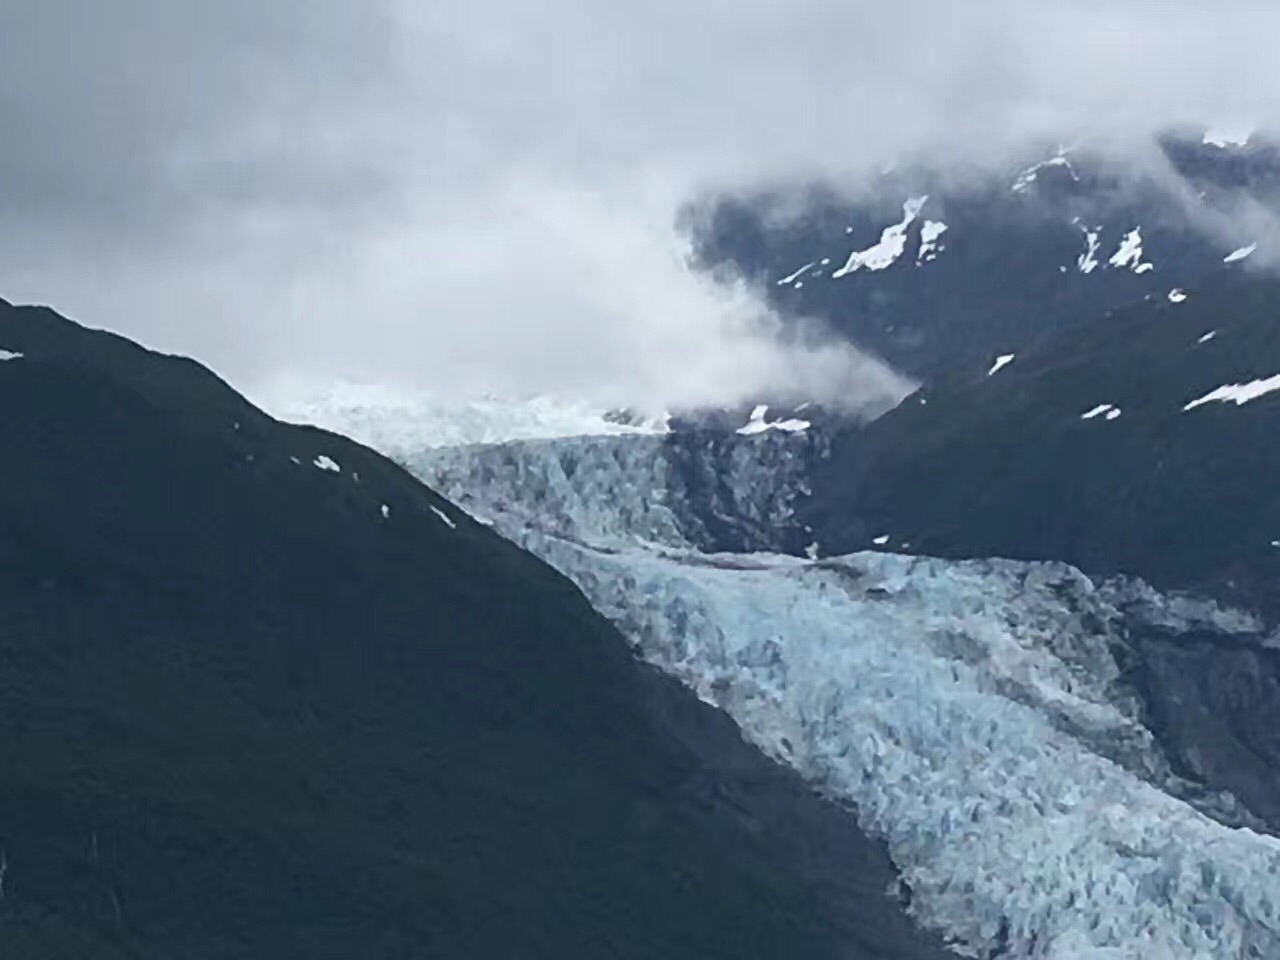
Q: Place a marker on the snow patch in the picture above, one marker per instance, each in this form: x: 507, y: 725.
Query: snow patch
x: 1208, y: 336
x: 1099, y: 410
x: 386, y: 512
x: 893, y: 241
x: 444, y: 517
x: 1237, y: 255
x: 10, y: 355
x: 1177, y: 296
x: 756, y: 423
x: 1002, y: 361
x: 1088, y: 261
x: 1129, y: 253
x: 930, y: 232
x: 1238, y: 393
x: 326, y: 463
x: 881, y: 540
x: 793, y: 277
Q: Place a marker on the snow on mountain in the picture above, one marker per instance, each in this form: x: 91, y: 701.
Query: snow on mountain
x: 1237, y: 393
x: 891, y: 245
x: 1075, y: 237
x: 1129, y: 253
x: 1028, y: 177
x: 931, y: 232
x: 1235, y: 256
x: 758, y: 424
x: 972, y: 711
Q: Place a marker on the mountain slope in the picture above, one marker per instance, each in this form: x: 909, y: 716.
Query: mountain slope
x: 1143, y: 444
x: 929, y: 269
x: 264, y: 695
x: 1116, y: 448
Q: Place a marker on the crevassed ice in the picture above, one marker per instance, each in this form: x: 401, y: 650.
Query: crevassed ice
x: 972, y: 711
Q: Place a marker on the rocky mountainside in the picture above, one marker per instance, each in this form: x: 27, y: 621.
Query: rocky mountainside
x: 265, y: 695
x: 931, y: 270
x: 1141, y: 443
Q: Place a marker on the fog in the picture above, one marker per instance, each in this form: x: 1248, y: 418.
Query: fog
x: 485, y: 200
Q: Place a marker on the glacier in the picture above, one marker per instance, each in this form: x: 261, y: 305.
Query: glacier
x: 971, y: 713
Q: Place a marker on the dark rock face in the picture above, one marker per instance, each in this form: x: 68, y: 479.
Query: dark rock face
x: 1024, y: 256
x: 1084, y: 450
x: 262, y: 694
x: 1213, y: 703
x: 1011, y: 465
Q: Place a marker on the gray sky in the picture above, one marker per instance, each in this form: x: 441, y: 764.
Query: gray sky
x: 472, y: 197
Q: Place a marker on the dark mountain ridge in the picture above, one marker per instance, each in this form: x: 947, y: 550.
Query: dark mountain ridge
x: 263, y: 694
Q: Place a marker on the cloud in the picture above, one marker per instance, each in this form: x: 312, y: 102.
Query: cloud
x: 482, y: 197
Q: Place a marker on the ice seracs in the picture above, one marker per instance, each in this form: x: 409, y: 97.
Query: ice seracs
x: 892, y: 243
x: 1238, y: 393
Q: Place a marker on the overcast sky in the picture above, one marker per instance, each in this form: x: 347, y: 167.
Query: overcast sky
x: 482, y: 196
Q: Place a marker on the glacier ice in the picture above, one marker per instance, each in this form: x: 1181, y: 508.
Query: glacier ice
x: 971, y: 712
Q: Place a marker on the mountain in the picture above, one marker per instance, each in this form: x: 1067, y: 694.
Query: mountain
x: 1143, y: 445
x: 932, y: 269
x: 1140, y: 443
x: 264, y: 694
